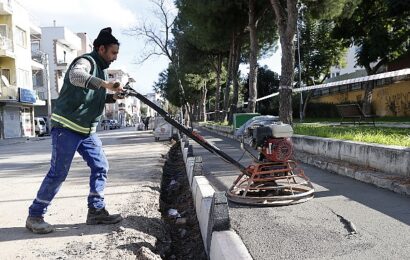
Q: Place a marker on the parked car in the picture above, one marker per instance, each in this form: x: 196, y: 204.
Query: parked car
x: 114, y: 124
x: 40, y: 126
x: 47, y: 126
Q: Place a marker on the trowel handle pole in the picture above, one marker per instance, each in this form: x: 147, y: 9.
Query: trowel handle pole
x: 188, y: 132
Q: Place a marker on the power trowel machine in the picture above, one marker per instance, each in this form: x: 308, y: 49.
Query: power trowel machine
x: 273, y: 179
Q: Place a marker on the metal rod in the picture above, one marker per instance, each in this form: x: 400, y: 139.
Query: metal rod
x: 197, y: 138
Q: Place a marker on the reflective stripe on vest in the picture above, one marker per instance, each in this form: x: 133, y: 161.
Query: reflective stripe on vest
x: 73, y: 126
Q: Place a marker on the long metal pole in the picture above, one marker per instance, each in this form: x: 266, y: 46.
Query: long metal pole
x: 197, y: 138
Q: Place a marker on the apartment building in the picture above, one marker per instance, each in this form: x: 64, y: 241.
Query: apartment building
x: 56, y: 48
x: 62, y: 47
x: 86, y: 44
x: 17, y: 97
x: 126, y: 111
x: 156, y: 99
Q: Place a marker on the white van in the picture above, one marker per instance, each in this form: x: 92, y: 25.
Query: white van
x: 40, y: 126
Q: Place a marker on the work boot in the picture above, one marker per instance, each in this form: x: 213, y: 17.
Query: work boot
x: 38, y: 225
x: 101, y: 216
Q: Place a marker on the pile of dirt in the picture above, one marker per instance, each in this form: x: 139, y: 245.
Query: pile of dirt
x: 178, y: 210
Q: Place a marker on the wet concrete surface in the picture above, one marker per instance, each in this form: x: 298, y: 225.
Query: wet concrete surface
x: 318, y: 228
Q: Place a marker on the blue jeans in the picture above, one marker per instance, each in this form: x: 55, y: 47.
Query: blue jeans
x: 64, y: 145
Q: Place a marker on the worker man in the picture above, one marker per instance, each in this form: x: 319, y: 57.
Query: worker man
x: 74, y: 121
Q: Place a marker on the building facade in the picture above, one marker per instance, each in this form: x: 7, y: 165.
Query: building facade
x: 61, y: 46
x: 128, y: 110
x: 56, y: 49
x: 17, y: 97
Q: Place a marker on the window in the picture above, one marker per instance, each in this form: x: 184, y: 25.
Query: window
x: 38, y: 79
x: 325, y: 91
x: 23, y: 78
x: 344, y: 88
x: 356, y: 86
x: 3, y: 30
x: 42, y: 95
x: 21, y: 37
x: 35, y: 46
x: 6, y: 74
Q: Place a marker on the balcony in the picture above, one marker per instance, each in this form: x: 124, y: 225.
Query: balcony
x: 61, y: 65
x: 37, y: 60
x: 37, y: 55
x: 6, y: 47
x: 6, y: 7
x: 9, y: 93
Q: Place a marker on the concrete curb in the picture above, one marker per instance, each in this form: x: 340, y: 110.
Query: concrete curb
x: 397, y: 184
x: 211, y: 208
x: 394, y: 182
x: 389, y: 159
x: 229, y: 246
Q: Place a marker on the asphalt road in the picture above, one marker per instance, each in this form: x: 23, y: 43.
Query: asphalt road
x: 316, y: 229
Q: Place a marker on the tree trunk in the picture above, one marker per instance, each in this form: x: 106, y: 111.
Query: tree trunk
x: 368, y: 91
x: 367, y: 98
x: 218, y: 82
x: 202, y: 105
x: 228, y: 81
x: 309, y: 94
x: 218, y: 87
x: 184, y: 101
x: 235, y: 80
x: 286, y: 17
x: 286, y: 81
x: 253, y: 67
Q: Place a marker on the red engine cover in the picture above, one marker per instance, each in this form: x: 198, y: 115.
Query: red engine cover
x: 277, y: 149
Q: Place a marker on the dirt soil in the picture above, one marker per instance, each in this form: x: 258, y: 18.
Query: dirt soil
x: 133, y: 189
x: 178, y: 210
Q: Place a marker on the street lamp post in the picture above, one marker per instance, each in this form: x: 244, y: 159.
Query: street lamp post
x: 47, y: 81
x: 299, y: 67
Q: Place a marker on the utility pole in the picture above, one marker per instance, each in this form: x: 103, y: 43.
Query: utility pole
x: 299, y: 67
x: 47, y: 81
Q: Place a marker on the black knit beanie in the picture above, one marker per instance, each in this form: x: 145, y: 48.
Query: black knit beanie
x: 105, y: 38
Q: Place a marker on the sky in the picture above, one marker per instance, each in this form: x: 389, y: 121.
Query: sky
x: 90, y: 16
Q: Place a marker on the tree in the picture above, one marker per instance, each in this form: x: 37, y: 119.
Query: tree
x: 258, y: 14
x: 381, y: 30
x: 267, y: 83
x: 208, y: 25
x: 286, y: 12
x: 318, y: 51
x: 195, y: 72
x: 286, y: 16
x: 161, y: 39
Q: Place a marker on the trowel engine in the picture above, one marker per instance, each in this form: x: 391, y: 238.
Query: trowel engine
x: 273, y: 142
x: 273, y: 178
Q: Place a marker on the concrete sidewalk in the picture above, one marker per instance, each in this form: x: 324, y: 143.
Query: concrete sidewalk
x: 19, y: 140
x: 131, y: 189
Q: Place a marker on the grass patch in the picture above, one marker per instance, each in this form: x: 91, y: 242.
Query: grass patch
x: 224, y: 123
x: 386, y: 119
x: 385, y: 135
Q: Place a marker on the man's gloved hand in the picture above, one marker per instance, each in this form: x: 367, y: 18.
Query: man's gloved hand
x: 119, y: 95
x: 113, y: 86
